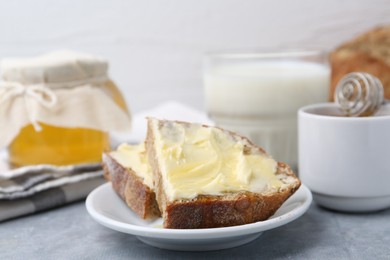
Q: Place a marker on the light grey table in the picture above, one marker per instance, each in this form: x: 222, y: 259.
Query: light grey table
x: 70, y: 233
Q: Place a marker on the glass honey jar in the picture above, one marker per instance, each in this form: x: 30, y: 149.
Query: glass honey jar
x: 59, y: 109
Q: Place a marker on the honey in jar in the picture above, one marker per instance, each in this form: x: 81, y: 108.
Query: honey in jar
x: 60, y: 108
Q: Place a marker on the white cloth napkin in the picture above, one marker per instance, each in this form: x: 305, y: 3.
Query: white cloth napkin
x: 170, y: 110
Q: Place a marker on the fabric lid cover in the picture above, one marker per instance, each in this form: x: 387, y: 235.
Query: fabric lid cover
x: 63, y: 88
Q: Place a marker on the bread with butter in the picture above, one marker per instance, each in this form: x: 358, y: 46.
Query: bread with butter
x: 130, y: 175
x: 207, y: 177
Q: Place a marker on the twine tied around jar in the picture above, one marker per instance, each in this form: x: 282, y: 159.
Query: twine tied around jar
x: 42, y: 93
x: 39, y: 92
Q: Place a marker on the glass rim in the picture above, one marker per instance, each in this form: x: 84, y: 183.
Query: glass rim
x: 266, y: 53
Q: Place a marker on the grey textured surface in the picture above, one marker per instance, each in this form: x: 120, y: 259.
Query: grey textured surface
x: 70, y: 233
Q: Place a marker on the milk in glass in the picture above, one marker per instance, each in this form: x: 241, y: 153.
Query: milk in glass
x: 259, y: 99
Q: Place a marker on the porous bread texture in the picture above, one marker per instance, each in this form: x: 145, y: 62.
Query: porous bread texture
x: 230, y: 209
x: 131, y: 188
x: 368, y: 52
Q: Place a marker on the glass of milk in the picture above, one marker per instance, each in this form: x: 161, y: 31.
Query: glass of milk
x: 258, y: 94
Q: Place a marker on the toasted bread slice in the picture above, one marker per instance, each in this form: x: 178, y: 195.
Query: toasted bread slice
x: 130, y: 180
x: 207, y: 177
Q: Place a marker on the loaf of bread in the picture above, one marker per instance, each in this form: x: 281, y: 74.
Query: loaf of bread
x: 206, y: 177
x: 130, y: 175
x: 369, y: 52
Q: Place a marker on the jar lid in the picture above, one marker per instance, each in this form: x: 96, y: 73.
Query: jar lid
x: 54, y: 67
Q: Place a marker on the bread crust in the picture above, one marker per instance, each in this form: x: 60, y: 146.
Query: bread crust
x: 210, y: 211
x: 369, y: 52
x: 227, y: 210
x: 130, y: 187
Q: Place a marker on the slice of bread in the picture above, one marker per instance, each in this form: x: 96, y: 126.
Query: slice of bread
x: 207, y: 177
x: 368, y: 52
x: 130, y: 176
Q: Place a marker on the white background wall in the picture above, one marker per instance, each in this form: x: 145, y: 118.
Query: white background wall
x: 155, y: 47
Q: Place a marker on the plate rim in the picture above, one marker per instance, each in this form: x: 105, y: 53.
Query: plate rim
x: 191, y: 234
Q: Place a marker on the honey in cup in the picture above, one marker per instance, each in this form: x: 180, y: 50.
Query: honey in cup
x: 344, y: 160
x: 337, y: 112
x: 76, y: 128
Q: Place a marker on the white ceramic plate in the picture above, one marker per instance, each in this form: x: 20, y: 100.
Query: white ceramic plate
x: 108, y: 209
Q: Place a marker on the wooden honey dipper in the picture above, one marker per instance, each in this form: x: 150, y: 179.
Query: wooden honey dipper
x: 359, y: 94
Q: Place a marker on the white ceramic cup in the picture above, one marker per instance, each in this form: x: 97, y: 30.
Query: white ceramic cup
x: 345, y: 161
